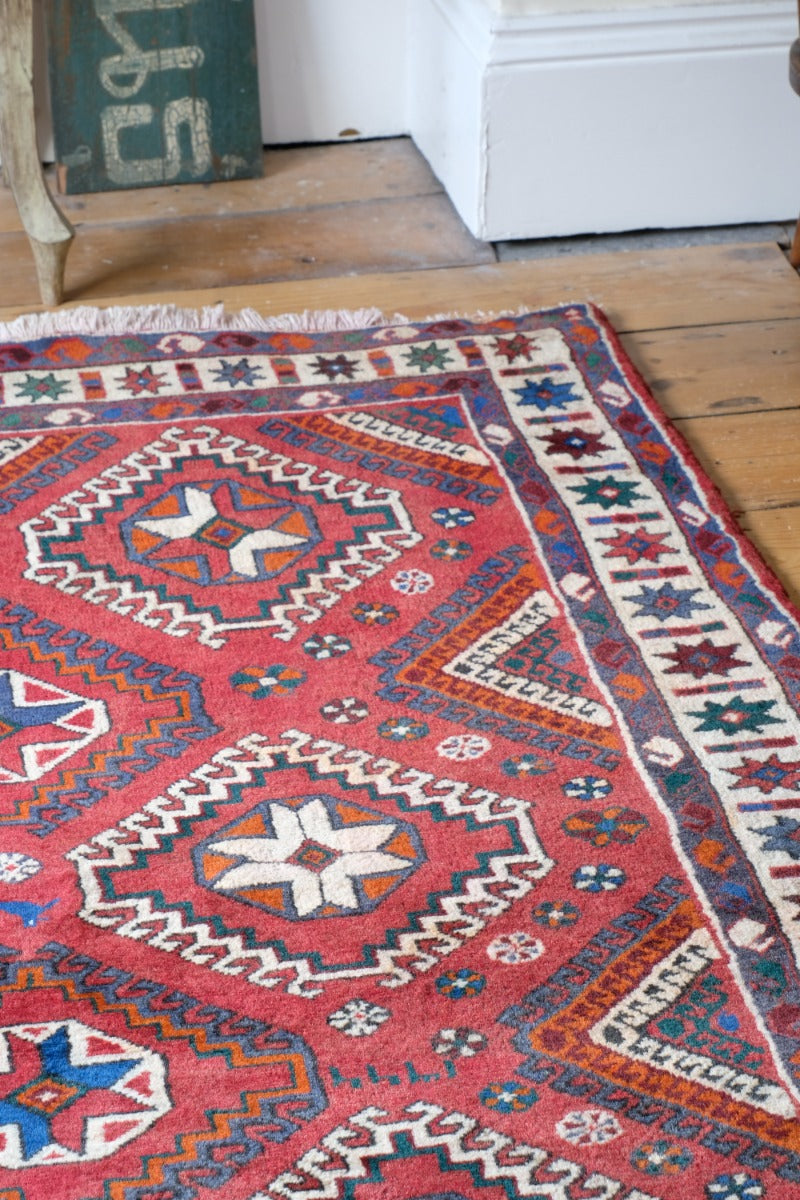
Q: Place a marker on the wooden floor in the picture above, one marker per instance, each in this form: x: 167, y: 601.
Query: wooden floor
x: 715, y: 330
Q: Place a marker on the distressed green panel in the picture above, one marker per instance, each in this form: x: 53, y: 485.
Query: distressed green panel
x: 153, y: 91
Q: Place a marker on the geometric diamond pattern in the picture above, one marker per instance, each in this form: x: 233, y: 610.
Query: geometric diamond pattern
x: 42, y: 725
x: 90, y: 1094
x: 399, y: 777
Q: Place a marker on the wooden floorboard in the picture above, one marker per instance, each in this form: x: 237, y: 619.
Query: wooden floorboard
x: 714, y: 330
x: 714, y: 369
x: 660, y: 289
x: 294, y: 177
x: 775, y: 532
x: 733, y: 450
x: 387, y: 235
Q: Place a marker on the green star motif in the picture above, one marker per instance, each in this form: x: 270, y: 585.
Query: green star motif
x: 428, y: 358
x: 608, y: 492
x: 737, y: 716
x: 41, y: 387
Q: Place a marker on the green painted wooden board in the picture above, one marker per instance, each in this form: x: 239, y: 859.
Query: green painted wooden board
x: 149, y: 92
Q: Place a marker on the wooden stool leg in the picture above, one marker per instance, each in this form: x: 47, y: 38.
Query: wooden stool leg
x: 49, y: 233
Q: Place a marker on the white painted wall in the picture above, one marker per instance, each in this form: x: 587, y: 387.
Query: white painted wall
x: 327, y: 66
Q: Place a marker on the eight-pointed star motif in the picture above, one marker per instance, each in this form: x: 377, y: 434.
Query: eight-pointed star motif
x: 201, y: 510
x: 321, y: 864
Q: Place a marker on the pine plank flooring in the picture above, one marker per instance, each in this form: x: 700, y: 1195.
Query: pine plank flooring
x: 714, y: 330
x: 371, y: 206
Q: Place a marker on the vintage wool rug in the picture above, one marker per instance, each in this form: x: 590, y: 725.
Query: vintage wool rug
x: 399, y: 776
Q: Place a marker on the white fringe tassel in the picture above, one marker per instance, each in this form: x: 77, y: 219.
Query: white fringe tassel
x: 168, y: 318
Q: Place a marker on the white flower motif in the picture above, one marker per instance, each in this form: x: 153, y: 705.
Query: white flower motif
x: 453, y: 518
x: 412, y: 582
x: 587, y: 787
x: 347, y: 711
x: 598, y: 877
x: 16, y: 867
x: 590, y: 1127
x: 463, y: 746
x: 515, y: 948
x: 358, y: 1018
x: 319, y: 863
x: 460, y: 1042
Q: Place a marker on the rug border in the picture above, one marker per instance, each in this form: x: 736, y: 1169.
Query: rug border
x: 718, y: 505
x: 168, y: 319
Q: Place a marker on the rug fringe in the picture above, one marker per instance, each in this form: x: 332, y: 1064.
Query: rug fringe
x: 481, y: 316
x: 170, y: 318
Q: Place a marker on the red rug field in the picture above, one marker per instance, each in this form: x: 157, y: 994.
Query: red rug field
x: 399, y: 777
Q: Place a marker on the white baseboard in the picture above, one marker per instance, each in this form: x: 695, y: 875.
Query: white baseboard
x: 544, y: 125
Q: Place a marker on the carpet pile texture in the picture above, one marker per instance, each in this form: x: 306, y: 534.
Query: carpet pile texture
x: 399, y: 776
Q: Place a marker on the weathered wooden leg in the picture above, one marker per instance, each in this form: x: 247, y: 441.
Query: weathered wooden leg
x: 49, y: 233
